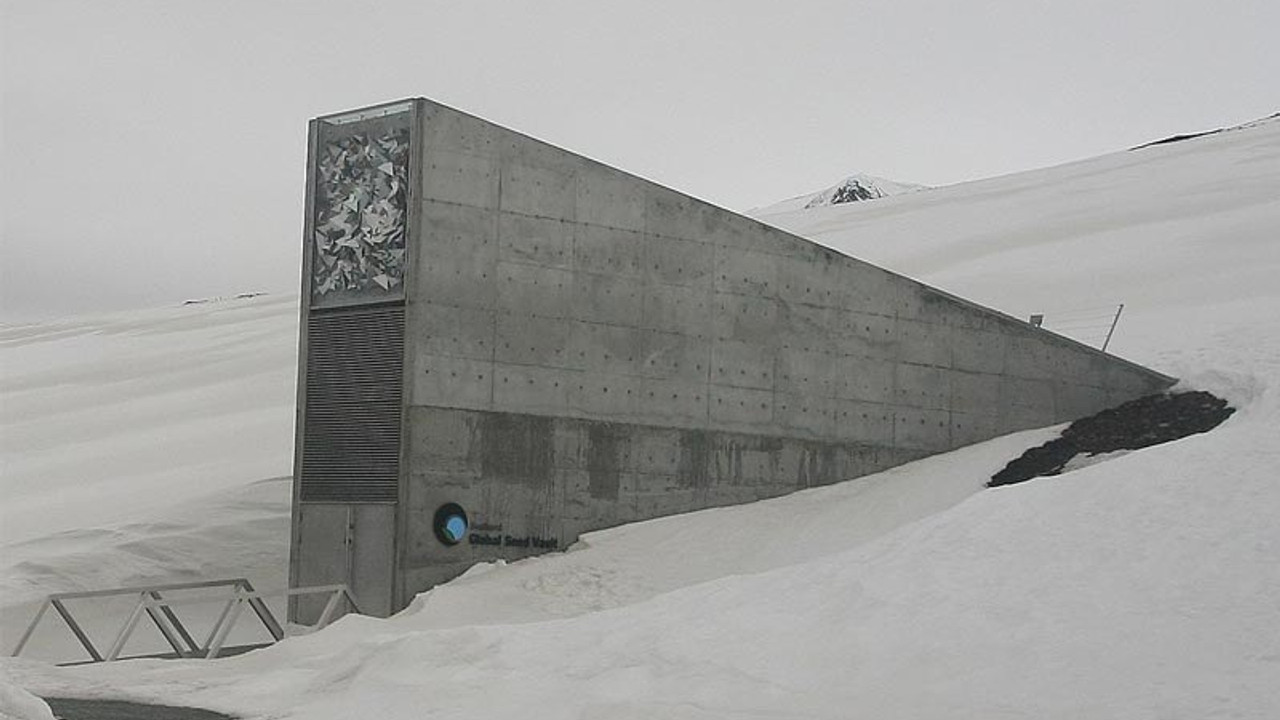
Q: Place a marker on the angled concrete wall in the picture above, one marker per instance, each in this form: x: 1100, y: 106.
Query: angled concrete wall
x: 585, y: 348
x: 589, y: 348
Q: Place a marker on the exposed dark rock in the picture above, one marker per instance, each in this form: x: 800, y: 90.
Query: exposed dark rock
x: 1140, y: 423
x: 1191, y: 136
x: 1176, y: 138
x: 70, y: 709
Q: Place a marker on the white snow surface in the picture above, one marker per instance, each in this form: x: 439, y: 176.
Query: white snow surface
x: 1143, y: 586
x: 18, y: 704
x: 144, y: 447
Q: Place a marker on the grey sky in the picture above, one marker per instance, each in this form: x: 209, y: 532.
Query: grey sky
x: 154, y: 151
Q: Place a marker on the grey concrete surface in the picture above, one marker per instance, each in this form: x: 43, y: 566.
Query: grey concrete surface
x: 585, y: 348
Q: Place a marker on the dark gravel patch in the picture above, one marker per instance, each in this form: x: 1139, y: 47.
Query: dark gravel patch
x: 69, y: 709
x: 1140, y: 423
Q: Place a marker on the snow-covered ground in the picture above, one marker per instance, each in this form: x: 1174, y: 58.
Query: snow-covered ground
x: 1145, y: 586
x: 143, y: 447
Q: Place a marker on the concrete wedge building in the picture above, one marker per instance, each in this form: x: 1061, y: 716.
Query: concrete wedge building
x: 504, y: 345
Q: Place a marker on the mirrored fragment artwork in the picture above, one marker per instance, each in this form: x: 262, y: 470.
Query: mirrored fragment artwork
x: 360, y: 216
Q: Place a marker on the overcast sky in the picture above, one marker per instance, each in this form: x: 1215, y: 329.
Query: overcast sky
x: 155, y: 151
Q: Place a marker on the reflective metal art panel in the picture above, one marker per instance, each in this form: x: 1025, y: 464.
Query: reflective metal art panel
x: 362, y: 181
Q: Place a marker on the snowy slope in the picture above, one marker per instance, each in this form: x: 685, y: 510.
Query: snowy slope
x: 1164, y: 229
x: 144, y: 447
x: 104, y: 416
x: 1140, y: 587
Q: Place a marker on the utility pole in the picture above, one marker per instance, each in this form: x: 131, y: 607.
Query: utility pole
x: 1114, y: 320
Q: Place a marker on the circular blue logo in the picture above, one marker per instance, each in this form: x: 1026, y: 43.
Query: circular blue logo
x: 451, y: 524
x: 456, y: 527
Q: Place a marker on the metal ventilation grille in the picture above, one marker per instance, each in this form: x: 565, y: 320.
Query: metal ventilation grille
x: 351, y: 425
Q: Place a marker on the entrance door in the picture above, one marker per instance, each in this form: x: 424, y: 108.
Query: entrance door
x: 349, y: 544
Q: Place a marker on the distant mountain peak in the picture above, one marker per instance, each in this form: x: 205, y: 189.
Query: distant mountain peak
x: 859, y: 187
x: 854, y: 188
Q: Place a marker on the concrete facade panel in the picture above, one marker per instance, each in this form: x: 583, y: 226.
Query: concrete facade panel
x: 606, y: 250
x: 746, y: 318
x: 1072, y: 401
x: 457, y: 262
x: 1070, y: 363
x: 570, y: 444
x: 447, y: 129
x: 540, y: 191
x: 742, y: 470
x: 611, y: 349
x: 922, y: 386
x: 1016, y: 392
x: 815, y: 374
x: 672, y: 261
x: 607, y: 299
x: 742, y: 364
x: 673, y: 402
x: 975, y: 393
x: 612, y: 200
x: 535, y: 240
x: 452, y: 382
x: 808, y: 416
x: 461, y: 178
x: 808, y: 328
x: 515, y: 149
x: 605, y: 395
x: 1026, y: 356
x: 867, y: 335
x: 531, y: 340
x: 1127, y: 378
x: 454, y: 331
x: 968, y: 316
x: 809, y: 282
x: 534, y: 289
x: 913, y: 301
x: 656, y: 452
x: 969, y: 428
x: 924, y: 343
x: 460, y: 281
x: 865, y: 379
x: 455, y: 230
x: 678, y: 309
x: 440, y: 444
x: 978, y: 351
x: 868, y: 289
x: 745, y: 272
x: 1026, y: 416
x: 671, y: 214
x: 532, y: 389
x: 674, y: 356
x: 922, y: 429
x: 734, y: 231
x: 925, y: 304
x: 742, y: 409
x: 870, y: 423
x: 669, y: 502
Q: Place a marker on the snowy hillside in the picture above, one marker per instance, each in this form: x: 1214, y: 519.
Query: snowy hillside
x: 144, y: 447
x: 1139, y: 587
x: 855, y: 188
